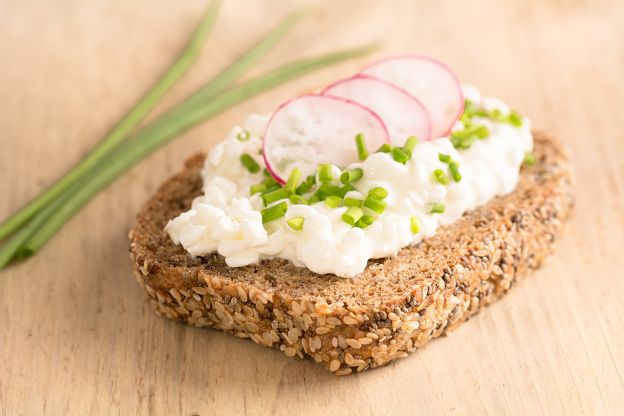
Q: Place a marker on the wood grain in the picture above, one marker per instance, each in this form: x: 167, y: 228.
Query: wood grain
x: 76, y: 334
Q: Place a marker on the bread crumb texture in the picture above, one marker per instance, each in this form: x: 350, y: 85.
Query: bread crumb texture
x: 394, y: 307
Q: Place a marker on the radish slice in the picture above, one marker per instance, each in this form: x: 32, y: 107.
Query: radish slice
x: 431, y: 81
x: 403, y: 114
x: 314, y: 129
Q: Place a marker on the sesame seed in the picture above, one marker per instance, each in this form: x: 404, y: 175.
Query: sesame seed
x: 350, y: 320
x: 353, y: 343
x: 334, y: 365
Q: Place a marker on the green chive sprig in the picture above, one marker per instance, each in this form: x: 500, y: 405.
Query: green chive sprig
x: 244, y: 136
x: 296, y: 223
x: 437, y: 208
x: 274, y: 212
x: 352, y: 215
x: 360, y: 143
x: 209, y: 101
x: 415, y: 224
x: 250, y: 163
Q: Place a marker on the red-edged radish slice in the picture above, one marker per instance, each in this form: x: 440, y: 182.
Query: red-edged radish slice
x: 314, y: 129
x: 431, y: 81
x: 403, y: 114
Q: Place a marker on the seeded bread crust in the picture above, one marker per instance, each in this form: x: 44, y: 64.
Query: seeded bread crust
x: 394, y: 307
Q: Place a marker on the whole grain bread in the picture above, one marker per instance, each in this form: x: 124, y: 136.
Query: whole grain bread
x: 394, y: 307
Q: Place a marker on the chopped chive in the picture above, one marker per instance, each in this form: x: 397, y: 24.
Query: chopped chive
x: 270, y: 188
x: 365, y: 221
x: 249, y: 162
x: 400, y: 155
x: 314, y: 199
x: 415, y: 225
x: 243, y: 136
x: 378, y: 192
x: 440, y: 177
x: 303, y: 188
x: 444, y: 158
x: 529, y: 158
x: 333, y: 201
x: 469, y: 106
x: 497, y: 115
x: 351, y: 175
x: 293, y: 180
x: 298, y: 199
x: 254, y: 189
x: 482, y: 132
x: 274, y: 212
x: 384, y: 148
x: 276, y: 195
x: 437, y: 208
x: 266, y: 173
x: 343, y: 191
x: 306, y: 185
x: 352, y: 215
x: 410, y: 144
x: 296, y: 223
x: 352, y: 202
x: 375, y: 204
x: 454, y: 169
x: 328, y: 189
x: 515, y: 119
x: 361, y: 146
x: 325, y: 172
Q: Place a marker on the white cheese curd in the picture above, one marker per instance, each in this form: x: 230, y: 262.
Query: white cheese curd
x: 227, y: 220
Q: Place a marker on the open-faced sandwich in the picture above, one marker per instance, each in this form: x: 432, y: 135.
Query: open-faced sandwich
x: 355, y: 224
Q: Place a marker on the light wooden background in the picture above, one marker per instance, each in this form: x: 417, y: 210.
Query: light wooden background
x: 76, y: 335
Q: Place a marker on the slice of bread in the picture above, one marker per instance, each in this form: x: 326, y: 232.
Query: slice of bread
x: 394, y: 307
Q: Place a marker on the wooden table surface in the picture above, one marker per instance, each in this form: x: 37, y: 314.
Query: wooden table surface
x: 76, y: 333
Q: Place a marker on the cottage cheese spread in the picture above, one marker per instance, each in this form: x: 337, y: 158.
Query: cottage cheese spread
x: 227, y: 219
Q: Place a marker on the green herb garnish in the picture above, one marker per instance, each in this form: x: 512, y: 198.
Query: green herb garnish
x: 250, y: 163
x: 296, y: 223
x: 360, y: 143
x: 352, y: 215
x: 272, y: 213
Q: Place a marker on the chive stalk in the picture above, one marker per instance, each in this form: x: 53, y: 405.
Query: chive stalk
x: 298, y: 199
x: 257, y: 188
x: 157, y: 134
x: 410, y: 144
x: 440, y: 177
x: 365, y: 221
x: 333, y: 201
x: 360, y: 143
x: 250, y: 163
x: 529, y: 158
x: 274, y: 212
x: 378, y: 192
x: 352, y: 202
x: 352, y: 215
x: 244, y: 136
x: 296, y: 223
x: 400, y: 155
x: 276, y: 195
x: 437, y: 208
x: 376, y: 205
x: 325, y: 172
x: 123, y: 128
x: 415, y: 225
x: 351, y: 175
x: 293, y: 180
x: 384, y: 148
x: 454, y: 169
